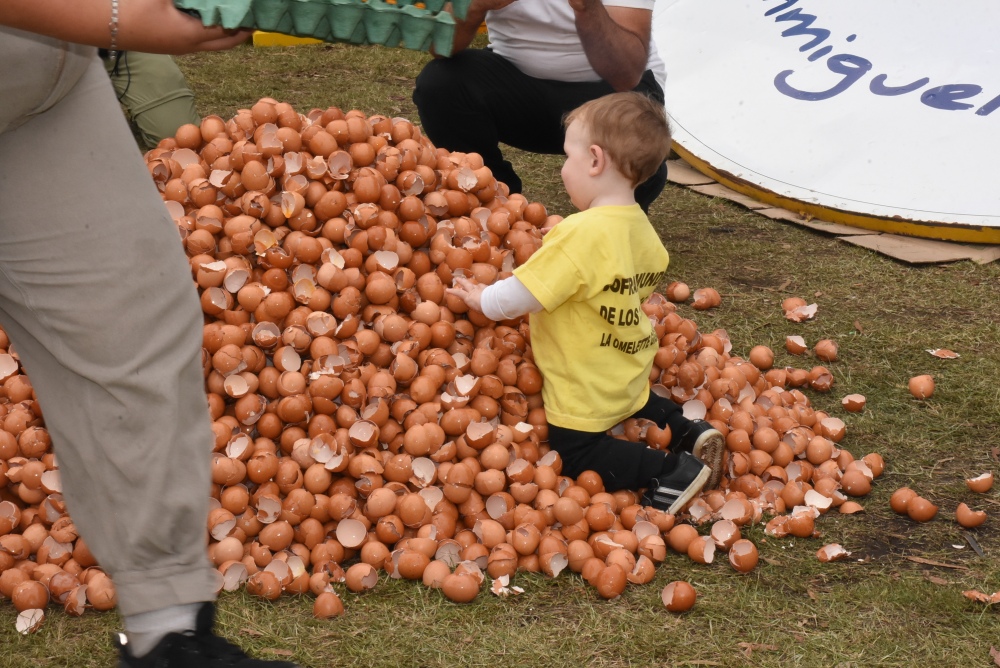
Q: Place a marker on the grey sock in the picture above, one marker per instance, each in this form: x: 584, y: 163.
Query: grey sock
x: 146, y: 629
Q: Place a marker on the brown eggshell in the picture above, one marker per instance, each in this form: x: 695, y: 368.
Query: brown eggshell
x: 761, y: 357
x: 653, y: 547
x: 678, y: 292
x: 706, y: 298
x: 743, y: 555
x: 643, y: 572
x: 725, y: 533
x: 850, y: 508
x: 411, y: 564
x: 678, y: 596
x: 795, y: 344
x: 28, y: 595
x: 361, y: 577
x: 801, y: 525
x: 981, y: 483
x: 701, y: 550
x: 832, y: 552
x: 875, y: 463
x: 611, y: 581
x: 327, y: 605
x: 900, y: 499
x: 855, y: 483
x: 460, y: 588
x: 680, y: 537
x: 826, y: 350
x: 922, y: 387
x: 920, y: 509
x: 435, y: 573
x: 969, y: 518
x: 29, y: 621
x: 853, y: 403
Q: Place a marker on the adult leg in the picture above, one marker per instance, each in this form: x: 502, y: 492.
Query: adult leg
x: 647, y: 191
x: 476, y: 99
x: 154, y: 93
x: 97, y: 297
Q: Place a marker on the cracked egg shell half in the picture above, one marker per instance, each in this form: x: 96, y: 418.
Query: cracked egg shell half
x: 678, y: 596
x: 981, y: 483
x: 743, y: 555
x: 968, y: 517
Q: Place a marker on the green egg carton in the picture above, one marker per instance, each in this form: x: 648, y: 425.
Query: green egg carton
x: 229, y: 14
x: 398, y: 24
x: 273, y: 16
x: 345, y: 18
x: 444, y: 33
x: 310, y: 18
x: 460, y: 8
x: 417, y: 26
x: 382, y: 23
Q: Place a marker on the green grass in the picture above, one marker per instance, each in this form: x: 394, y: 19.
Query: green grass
x: 879, y: 608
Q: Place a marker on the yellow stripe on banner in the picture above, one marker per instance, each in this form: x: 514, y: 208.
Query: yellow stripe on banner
x: 261, y: 38
x: 929, y: 230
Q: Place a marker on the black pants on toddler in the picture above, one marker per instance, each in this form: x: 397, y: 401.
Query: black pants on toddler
x: 477, y: 99
x: 621, y: 464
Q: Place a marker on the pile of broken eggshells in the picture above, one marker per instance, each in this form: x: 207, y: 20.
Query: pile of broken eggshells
x: 366, y: 424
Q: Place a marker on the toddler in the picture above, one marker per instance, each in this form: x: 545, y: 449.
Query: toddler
x: 584, y: 288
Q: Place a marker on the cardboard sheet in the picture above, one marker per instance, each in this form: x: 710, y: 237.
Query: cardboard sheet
x: 913, y: 250
x: 925, y: 251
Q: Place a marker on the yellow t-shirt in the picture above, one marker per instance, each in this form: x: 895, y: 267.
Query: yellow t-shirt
x: 592, y: 342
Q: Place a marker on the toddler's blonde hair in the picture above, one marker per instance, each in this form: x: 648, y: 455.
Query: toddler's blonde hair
x: 632, y: 128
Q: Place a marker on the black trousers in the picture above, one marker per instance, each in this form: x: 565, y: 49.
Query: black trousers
x: 477, y: 99
x: 621, y: 464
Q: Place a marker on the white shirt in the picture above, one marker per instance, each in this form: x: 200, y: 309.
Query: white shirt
x: 539, y: 37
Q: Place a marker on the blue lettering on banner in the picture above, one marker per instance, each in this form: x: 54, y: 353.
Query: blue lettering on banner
x: 852, y: 68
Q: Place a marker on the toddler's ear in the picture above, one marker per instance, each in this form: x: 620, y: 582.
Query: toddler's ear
x: 598, y: 160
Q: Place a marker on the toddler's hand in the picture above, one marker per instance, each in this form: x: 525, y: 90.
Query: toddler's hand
x: 469, y: 292
x: 550, y: 224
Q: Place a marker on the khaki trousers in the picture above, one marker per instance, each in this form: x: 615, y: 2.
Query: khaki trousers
x: 154, y: 93
x: 97, y: 298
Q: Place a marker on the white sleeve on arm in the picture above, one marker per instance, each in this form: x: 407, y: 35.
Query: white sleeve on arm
x: 508, y: 299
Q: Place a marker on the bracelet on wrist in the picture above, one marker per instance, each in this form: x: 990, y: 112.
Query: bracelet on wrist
x: 113, y: 27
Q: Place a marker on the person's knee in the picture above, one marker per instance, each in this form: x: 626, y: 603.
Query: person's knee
x: 434, y: 82
x: 162, y: 119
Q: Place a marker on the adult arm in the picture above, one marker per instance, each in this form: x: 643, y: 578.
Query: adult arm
x: 152, y: 26
x: 615, y: 39
x: 466, y: 30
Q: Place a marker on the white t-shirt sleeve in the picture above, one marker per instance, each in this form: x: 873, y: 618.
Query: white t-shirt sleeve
x: 508, y: 299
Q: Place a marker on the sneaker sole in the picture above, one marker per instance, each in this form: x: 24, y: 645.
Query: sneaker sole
x: 709, y: 449
x: 692, y: 491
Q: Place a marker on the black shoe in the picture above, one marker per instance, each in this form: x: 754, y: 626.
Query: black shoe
x: 194, y: 649
x: 708, y: 445
x: 673, y: 491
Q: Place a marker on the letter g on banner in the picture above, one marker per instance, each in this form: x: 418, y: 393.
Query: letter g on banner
x: 852, y: 67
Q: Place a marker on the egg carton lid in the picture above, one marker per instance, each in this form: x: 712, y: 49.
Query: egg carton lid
x: 404, y: 23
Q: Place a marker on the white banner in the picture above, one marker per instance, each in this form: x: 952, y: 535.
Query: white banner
x: 883, y: 114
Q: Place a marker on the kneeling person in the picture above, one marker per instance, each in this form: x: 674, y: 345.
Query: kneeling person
x: 584, y: 289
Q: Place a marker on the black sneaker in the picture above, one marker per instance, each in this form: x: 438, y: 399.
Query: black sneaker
x: 673, y: 491
x: 194, y: 649
x: 708, y: 445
